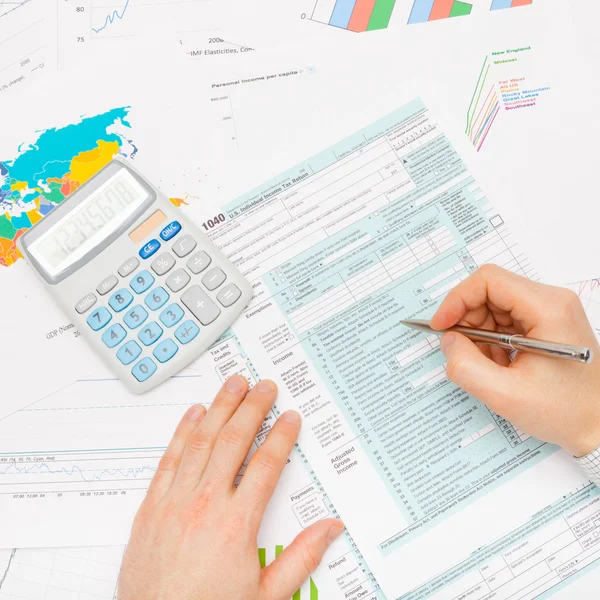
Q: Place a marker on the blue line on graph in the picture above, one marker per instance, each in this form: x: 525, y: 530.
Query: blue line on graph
x: 129, y: 472
x: 110, y: 19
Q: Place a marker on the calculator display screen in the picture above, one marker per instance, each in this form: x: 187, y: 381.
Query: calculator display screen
x: 89, y: 223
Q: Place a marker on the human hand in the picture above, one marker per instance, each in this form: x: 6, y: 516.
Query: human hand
x: 194, y: 537
x: 554, y: 400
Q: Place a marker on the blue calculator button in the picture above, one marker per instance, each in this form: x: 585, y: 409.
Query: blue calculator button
x: 186, y: 332
x: 141, y: 282
x: 156, y: 298
x: 99, y: 318
x: 165, y: 351
x: 114, y: 335
x: 135, y: 317
x: 170, y: 231
x: 150, y: 248
x: 129, y: 352
x: 150, y: 333
x: 120, y: 300
x: 171, y: 315
x: 144, y: 369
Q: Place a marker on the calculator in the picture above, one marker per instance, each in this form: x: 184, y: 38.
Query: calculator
x: 147, y: 289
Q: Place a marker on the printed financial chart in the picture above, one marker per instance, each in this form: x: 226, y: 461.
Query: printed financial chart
x: 369, y: 15
x: 508, y: 82
x: 25, y: 49
x: 107, y: 27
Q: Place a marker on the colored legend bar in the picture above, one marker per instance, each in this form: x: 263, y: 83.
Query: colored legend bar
x: 433, y: 10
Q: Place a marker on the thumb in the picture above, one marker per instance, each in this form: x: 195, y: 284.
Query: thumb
x: 283, y: 577
x: 474, y: 372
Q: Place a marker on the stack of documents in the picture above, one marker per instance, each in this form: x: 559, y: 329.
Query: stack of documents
x: 365, y: 157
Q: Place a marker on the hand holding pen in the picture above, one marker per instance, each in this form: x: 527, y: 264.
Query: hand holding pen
x: 554, y: 400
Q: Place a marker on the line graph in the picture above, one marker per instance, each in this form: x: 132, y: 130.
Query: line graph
x: 112, y: 467
x: 126, y: 18
x: 112, y: 17
x: 6, y: 6
x: 60, y: 573
x: 506, y: 84
x: 482, y: 115
x: 25, y: 37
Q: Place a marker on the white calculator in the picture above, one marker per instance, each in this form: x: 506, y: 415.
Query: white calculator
x: 148, y: 290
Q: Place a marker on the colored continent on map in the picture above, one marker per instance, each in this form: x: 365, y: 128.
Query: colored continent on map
x: 47, y: 171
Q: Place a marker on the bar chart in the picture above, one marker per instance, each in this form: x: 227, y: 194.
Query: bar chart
x: 370, y: 15
x: 432, y: 10
x: 354, y: 15
x: 500, y: 4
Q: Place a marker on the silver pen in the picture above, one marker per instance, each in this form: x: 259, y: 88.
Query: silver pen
x: 511, y: 341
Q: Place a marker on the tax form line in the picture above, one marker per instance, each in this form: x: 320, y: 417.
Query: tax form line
x: 378, y: 293
x: 524, y: 457
x: 505, y: 541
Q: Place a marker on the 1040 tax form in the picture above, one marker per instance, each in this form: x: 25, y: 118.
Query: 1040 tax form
x: 441, y: 495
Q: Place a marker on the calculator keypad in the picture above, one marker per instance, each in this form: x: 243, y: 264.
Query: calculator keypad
x: 129, y: 352
x: 86, y: 303
x: 149, y: 249
x: 170, y: 231
x: 186, y: 332
x: 165, y: 351
x: 163, y: 263
x: 120, y: 300
x: 107, y: 284
x: 114, y: 335
x: 171, y: 315
x: 168, y: 273
x: 150, y: 333
x: 128, y: 267
x: 183, y: 246
x: 200, y: 305
x: 141, y: 282
x: 156, y: 299
x: 229, y: 295
x: 99, y: 318
x: 144, y: 369
x: 213, y: 279
x: 135, y: 317
x: 178, y: 280
x: 198, y: 262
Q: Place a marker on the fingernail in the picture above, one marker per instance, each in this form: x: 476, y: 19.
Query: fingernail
x: 447, y: 341
x: 266, y: 386
x: 334, y: 533
x: 290, y: 416
x: 195, y: 413
x: 235, y: 384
